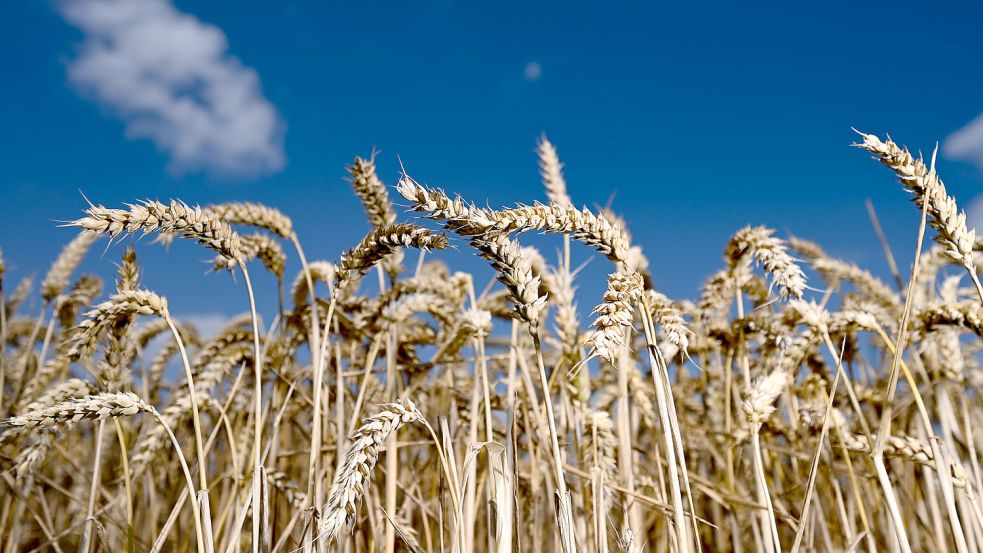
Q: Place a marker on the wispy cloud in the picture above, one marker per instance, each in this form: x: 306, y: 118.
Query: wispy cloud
x: 966, y: 144
x: 974, y: 214
x: 171, y: 79
x: 207, y: 324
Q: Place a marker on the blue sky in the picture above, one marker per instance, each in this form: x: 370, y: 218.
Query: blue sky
x: 698, y: 119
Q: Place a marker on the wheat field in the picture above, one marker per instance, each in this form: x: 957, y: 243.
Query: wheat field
x: 800, y: 403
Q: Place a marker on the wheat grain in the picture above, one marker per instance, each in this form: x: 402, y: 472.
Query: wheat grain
x: 670, y: 318
x: 290, y: 490
x: 593, y: 230
x: 20, y: 293
x: 567, y: 322
x: 457, y: 213
x: 321, y: 271
x: 599, y: 447
x: 908, y: 448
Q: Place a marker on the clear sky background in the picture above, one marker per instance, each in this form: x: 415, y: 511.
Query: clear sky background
x: 697, y: 119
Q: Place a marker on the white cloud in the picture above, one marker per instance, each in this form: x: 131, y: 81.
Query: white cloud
x: 974, y: 214
x: 207, y: 324
x: 171, y: 78
x: 966, y: 144
x: 533, y: 71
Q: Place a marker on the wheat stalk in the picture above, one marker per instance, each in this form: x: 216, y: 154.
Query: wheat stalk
x: 644, y: 449
x: 758, y: 406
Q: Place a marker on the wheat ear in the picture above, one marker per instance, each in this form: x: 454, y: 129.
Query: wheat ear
x: 465, y: 219
x: 67, y: 413
x: 514, y: 269
x: 758, y: 244
x: 259, y: 246
x: 319, y: 271
x: 380, y: 243
x: 927, y: 187
x: 551, y: 171
x: 86, y: 335
x: 968, y: 315
x: 371, y: 190
x: 151, y: 216
x: 356, y: 470
x: 64, y: 265
x: 254, y: 215
x: 615, y: 314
